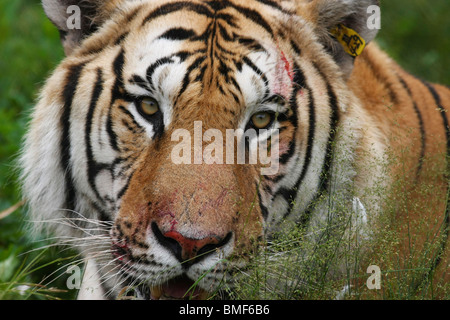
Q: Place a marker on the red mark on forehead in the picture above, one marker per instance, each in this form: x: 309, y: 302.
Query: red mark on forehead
x: 287, y: 66
x: 284, y: 75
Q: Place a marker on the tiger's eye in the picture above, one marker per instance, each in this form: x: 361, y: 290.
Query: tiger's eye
x: 262, y: 120
x: 149, y: 106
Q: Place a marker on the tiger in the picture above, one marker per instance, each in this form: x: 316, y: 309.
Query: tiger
x: 97, y: 166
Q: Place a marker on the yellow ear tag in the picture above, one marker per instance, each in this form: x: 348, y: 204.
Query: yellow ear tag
x: 352, y: 42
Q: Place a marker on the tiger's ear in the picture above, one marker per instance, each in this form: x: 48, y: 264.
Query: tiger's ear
x: 76, y: 19
x: 339, y: 24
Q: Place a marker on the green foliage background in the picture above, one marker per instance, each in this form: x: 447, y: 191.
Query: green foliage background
x: 414, y: 32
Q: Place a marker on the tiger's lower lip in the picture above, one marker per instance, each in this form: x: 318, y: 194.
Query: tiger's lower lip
x: 180, y: 288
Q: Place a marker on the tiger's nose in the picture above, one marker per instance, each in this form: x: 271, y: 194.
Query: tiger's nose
x: 189, y: 251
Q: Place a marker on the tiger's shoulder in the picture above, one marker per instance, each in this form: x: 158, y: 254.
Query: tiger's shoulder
x: 409, y: 111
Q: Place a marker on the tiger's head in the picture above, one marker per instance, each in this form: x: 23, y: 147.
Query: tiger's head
x: 124, y: 144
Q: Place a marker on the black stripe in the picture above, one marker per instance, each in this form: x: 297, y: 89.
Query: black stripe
x: 236, y: 85
x: 381, y: 79
x: 442, y: 112
x: 186, y: 79
x: 288, y: 155
x: 446, y: 227
x: 334, y: 120
x: 128, y: 113
x: 177, y: 6
x: 296, y: 48
x: 178, y: 34
x: 421, y: 126
x: 124, y: 189
x: 211, y: 33
x: 251, y: 44
x: 255, y: 17
x: 228, y: 19
x: 182, y: 55
x: 139, y: 81
x: 248, y: 62
x: 116, y: 94
x: 223, y: 31
x: 264, y: 211
x: 209, y: 10
x: 120, y: 39
x: 311, y: 132
x: 299, y: 83
x: 65, y: 146
x: 290, y: 194
x: 152, y: 68
x: 272, y: 4
x: 133, y: 14
x: 224, y: 70
x: 312, y: 125
x: 248, y: 13
x: 93, y: 168
x: 325, y: 175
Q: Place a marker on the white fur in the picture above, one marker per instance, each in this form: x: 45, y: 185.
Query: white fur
x: 44, y: 180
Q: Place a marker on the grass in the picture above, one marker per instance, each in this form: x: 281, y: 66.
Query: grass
x: 334, y: 262
x: 15, y: 285
x: 30, y: 49
x: 414, y: 33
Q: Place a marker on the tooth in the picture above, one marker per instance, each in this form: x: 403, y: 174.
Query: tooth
x: 155, y: 293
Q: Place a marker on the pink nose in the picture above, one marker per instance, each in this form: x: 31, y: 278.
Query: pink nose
x: 187, y: 250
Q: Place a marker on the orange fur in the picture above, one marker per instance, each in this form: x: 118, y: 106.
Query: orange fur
x: 420, y: 216
x: 379, y: 106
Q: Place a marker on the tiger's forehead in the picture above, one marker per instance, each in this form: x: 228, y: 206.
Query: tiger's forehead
x: 222, y: 61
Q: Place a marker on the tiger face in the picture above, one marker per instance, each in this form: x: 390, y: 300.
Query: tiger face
x: 103, y: 137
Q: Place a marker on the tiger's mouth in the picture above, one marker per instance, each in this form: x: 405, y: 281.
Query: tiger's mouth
x: 179, y: 288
